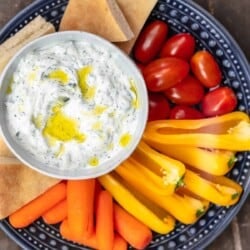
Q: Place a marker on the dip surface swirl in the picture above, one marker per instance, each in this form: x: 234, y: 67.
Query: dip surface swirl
x: 71, y: 106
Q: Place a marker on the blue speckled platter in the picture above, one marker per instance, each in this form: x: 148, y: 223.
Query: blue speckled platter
x: 182, y: 16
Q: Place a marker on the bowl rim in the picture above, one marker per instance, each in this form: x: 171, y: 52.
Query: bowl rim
x: 76, y: 173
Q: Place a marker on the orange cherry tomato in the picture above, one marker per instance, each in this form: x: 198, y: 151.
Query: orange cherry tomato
x: 206, y: 69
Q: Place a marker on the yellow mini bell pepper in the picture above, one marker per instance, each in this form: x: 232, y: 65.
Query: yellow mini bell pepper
x: 129, y: 202
x: 228, y: 132
x: 215, y: 162
x: 135, y: 174
x: 169, y: 169
x: 184, y: 208
x: 160, y: 212
x: 219, y: 190
x: 217, y: 124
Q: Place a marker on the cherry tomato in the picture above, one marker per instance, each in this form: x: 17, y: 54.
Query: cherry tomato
x: 181, y: 45
x: 159, y: 107
x: 164, y: 73
x: 219, y: 101
x: 150, y: 41
x: 140, y: 66
x: 206, y: 69
x: 181, y: 112
x: 190, y: 91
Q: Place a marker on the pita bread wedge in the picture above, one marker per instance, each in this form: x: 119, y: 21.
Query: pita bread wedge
x: 19, y: 184
x: 100, y: 17
x: 136, y: 12
x: 35, y: 29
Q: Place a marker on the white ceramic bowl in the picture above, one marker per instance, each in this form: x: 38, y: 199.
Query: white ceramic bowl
x: 124, y: 63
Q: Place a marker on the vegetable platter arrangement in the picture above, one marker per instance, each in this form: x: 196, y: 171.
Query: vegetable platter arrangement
x: 188, y: 172
x: 177, y: 169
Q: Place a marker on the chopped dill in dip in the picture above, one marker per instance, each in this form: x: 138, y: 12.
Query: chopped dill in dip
x: 71, y: 106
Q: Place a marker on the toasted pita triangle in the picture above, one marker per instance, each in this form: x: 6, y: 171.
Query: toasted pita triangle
x: 34, y: 29
x: 19, y: 185
x: 100, y: 17
x: 136, y: 12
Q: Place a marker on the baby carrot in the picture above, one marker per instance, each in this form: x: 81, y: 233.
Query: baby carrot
x: 132, y: 230
x: 68, y: 235
x: 98, y: 189
x: 120, y: 243
x: 56, y: 214
x: 36, y: 208
x: 104, y: 221
x: 80, y: 206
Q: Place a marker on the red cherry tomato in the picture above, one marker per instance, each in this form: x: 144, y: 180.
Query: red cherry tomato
x: 140, y: 66
x: 219, y: 101
x: 164, y: 73
x: 158, y: 107
x: 181, y: 45
x: 206, y: 69
x: 190, y: 91
x: 150, y: 41
x: 180, y: 112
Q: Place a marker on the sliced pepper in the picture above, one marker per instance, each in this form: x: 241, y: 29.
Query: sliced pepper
x: 136, y: 174
x: 160, y: 212
x: 219, y: 190
x: 215, y: 162
x: 228, y: 132
x: 183, y: 207
x: 216, y: 125
x: 130, y: 203
x: 170, y: 170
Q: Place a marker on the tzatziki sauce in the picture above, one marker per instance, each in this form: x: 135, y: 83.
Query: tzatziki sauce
x: 71, y: 106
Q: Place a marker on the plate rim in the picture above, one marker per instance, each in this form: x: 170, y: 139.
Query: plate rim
x: 19, y: 16
x: 225, y: 33
x: 206, y: 239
